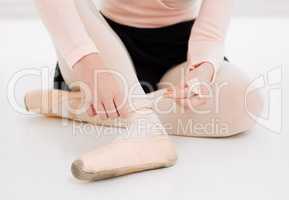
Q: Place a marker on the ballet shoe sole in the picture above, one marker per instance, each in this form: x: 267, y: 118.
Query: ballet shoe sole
x: 79, y: 173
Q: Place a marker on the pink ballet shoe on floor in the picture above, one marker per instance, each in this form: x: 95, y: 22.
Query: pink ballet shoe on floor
x: 145, y: 146
x: 125, y: 156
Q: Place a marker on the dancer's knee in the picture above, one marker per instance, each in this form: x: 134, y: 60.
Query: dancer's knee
x: 237, y: 103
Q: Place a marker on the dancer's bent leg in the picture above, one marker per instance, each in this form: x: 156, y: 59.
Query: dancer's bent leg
x: 226, y: 113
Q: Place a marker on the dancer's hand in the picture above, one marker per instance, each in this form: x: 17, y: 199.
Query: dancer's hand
x: 108, y: 100
x: 195, y: 90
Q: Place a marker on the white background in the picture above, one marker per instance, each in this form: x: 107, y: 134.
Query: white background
x: 244, y: 8
x: 35, y: 153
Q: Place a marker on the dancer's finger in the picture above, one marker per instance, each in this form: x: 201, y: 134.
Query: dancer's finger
x: 110, y: 109
x: 121, y: 106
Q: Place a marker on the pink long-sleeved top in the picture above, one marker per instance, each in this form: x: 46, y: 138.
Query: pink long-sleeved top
x: 206, y: 42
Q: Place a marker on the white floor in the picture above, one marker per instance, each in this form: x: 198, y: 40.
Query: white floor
x: 36, y: 153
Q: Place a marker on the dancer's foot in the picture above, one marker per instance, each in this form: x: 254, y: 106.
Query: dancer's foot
x: 68, y: 105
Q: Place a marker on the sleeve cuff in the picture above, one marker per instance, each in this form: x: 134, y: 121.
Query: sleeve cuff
x: 206, y: 52
x: 74, y: 56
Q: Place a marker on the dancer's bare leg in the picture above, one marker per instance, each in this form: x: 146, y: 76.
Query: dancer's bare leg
x: 227, y: 112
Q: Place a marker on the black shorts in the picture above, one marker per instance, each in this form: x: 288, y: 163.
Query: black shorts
x: 153, y: 50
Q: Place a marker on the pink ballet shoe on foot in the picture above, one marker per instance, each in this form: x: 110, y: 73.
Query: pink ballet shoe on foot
x: 125, y: 156
x: 63, y: 104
